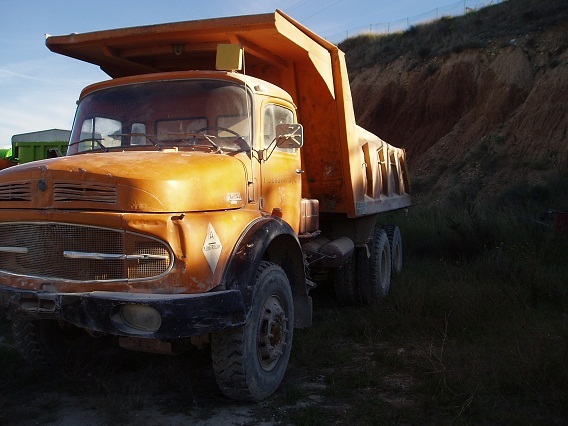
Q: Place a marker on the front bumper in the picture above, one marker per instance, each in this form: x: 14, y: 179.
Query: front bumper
x: 181, y: 315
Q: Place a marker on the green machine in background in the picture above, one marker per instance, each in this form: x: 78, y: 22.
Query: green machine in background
x: 34, y: 146
x: 24, y: 152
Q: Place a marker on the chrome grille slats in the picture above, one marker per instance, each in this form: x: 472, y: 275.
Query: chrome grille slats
x: 16, y: 191
x: 38, y: 250
x: 145, y: 268
x: 84, y: 191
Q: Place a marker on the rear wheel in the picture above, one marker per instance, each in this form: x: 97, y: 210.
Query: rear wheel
x: 250, y: 362
x: 395, y: 240
x: 374, y: 271
x: 345, y: 283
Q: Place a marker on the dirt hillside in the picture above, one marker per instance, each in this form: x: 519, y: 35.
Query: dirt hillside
x: 484, y: 120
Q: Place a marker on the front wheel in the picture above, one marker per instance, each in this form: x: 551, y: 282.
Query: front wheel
x: 54, y: 343
x: 250, y: 362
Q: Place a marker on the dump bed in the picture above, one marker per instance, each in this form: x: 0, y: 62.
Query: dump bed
x: 347, y: 168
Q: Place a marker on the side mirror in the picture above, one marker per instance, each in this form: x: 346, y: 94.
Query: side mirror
x: 289, y: 136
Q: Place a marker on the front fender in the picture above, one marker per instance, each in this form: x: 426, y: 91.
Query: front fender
x: 271, y: 239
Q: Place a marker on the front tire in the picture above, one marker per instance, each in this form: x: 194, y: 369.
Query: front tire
x: 52, y: 342
x: 250, y: 362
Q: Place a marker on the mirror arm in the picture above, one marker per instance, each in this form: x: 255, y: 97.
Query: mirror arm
x: 264, y: 154
x: 294, y: 134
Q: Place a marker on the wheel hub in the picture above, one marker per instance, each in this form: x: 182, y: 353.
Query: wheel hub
x: 272, y: 332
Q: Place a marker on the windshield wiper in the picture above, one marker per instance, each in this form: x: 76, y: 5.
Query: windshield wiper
x: 97, y: 140
x: 149, y: 137
x: 188, y: 137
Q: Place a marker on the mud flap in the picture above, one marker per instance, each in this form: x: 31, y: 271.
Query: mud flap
x: 302, y: 311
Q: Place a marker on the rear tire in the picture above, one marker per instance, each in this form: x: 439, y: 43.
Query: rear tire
x: 345, y: 283
x: 374, y: 272
x: 395, y: 240
x: 250, y: 362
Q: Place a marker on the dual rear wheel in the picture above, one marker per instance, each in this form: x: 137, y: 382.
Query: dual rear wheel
x: 365, y: 277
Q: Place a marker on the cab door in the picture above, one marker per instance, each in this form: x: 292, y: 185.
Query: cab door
x: 280, y: 173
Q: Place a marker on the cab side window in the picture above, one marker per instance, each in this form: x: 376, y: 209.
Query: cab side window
x: 274, y: 115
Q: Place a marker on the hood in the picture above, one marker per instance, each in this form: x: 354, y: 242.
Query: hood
x: 128, y: 181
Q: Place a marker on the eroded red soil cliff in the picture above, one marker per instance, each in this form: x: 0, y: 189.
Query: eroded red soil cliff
x: 478, y: 122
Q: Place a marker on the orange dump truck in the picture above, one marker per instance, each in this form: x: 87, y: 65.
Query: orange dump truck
x: 205, y: 186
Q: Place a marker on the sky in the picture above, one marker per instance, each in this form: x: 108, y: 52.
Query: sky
x: 39, y: 89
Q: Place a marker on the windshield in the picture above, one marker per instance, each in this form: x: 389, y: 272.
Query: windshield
x: 187, y: 114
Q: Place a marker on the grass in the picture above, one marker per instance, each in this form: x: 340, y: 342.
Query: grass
x: 311, y: 415
x: 476, y: 327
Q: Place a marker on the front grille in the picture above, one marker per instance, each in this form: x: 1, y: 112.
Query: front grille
x: 80, y: 253
x: 16, y: 191
x: 84, y: 191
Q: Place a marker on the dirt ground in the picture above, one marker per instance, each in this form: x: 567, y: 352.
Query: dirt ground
x: 129, y: 388
x: 126, y: 388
